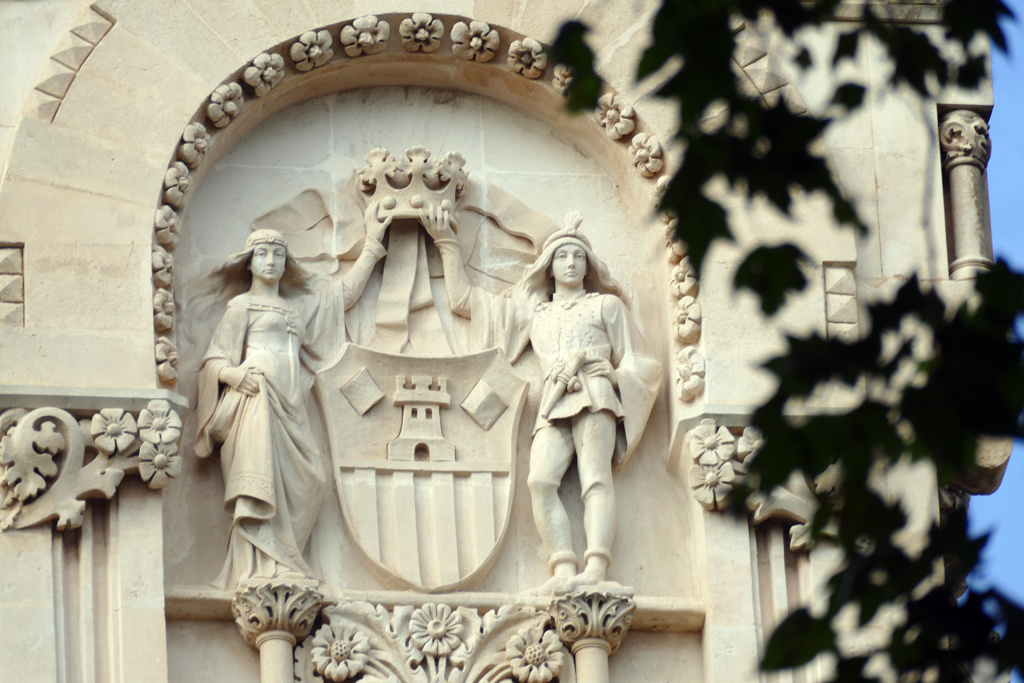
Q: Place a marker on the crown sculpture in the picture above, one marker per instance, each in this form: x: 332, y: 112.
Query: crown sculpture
x: 405, y: 185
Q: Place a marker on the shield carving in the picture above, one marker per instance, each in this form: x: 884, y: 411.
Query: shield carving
x: 424, y: 458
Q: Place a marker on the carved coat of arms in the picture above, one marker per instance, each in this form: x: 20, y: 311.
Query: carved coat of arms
x: 423, y: 451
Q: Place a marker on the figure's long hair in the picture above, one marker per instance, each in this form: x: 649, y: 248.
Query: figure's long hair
x: 233, y: 277
x: 537, y: 283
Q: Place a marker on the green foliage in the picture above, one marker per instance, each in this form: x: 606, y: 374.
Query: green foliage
x: 923, y: 384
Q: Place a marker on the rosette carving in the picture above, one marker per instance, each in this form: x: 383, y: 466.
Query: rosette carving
x: 194, y: 142
x: 618, y: 119
x: 275, y: 606
x: 365, y: 36
x: 225, y: 104
x: 421, y: 32
x: 527, y: 57
x: 646, y: 153
x: 475, y: 42
x: 561, y: 79
x: 266, y: 71
x: 433, y: 643
x: 50, y: 462
x: 311, y: 50
x: 165, y: 225
x: 590, y: 615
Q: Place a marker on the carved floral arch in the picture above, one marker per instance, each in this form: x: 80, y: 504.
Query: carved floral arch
x: 446, y: 51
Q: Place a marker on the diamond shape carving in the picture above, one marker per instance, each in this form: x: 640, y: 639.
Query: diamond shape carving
x: 362, y: 392
x: 484, y: 405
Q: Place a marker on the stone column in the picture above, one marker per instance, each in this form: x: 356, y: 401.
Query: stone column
x: 966, y: 148
x: 593, y: 623
x: 273, y: 616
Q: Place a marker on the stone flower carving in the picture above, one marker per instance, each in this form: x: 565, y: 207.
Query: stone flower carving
x: 684, y: 280
x: 534, y: 654
x: 267, y: 70
x: 176, y: 181
x: 689, y: 374
x: 340, y: 652
x: 421, y: 32
x: 195, y: 141
x: 618, y: 119
x: 562, y: 78
x: 646, y: 153
x: 312, y: 49
x: 688, y: 317
x: 709, y: 445
x: 712, y: 484
x: 527, y: 57
x: 113, y: 430
x: 166, y: 360
x: 365, y: 36
x: 159, y: 463
x: 436, y: 629
x: 747, y: 446
x: 163, y: 267
x: 163, y: 310
x: 476, y: 42
x: 159, y: 423
x: 166, y: 226
x: 225, y: 104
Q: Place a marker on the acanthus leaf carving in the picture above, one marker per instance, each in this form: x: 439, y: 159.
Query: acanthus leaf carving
x: 433, y: 643
x: 590, y: 615
x: 964, y: 139
x: 280, y: 606
x: 474, y: 42
x: 45, y: 473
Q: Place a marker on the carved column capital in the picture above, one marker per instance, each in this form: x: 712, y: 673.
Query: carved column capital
x: 590, y: 617
x: 276, y: 609
x: 964, y: 139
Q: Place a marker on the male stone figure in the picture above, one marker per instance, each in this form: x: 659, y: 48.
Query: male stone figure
x: 597, y: 390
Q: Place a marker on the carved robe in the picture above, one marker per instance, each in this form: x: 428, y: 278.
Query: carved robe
x: 597, y: 327
x: 273, y: 470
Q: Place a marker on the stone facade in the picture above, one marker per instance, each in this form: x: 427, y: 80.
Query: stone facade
x: 333, y: 348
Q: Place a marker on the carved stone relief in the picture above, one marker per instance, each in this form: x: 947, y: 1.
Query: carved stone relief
x: 51, y: 461
x: 433, y: 643
x: 12, y: 287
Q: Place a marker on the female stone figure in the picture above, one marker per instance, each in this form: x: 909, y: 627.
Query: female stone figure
x: 252, y: 391
x: 597, y: 390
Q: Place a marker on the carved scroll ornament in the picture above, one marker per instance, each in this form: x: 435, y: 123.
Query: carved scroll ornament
x: 433, y: 643
x: 51, y: 461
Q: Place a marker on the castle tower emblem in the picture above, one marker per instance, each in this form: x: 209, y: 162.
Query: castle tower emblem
x: 421, y: 438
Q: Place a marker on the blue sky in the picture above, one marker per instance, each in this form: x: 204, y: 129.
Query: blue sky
x: 1003, y: 512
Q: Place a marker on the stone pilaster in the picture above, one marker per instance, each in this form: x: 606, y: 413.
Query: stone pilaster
x: 966, y: 149
x: 272, y: 616
x: 592, y: 623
